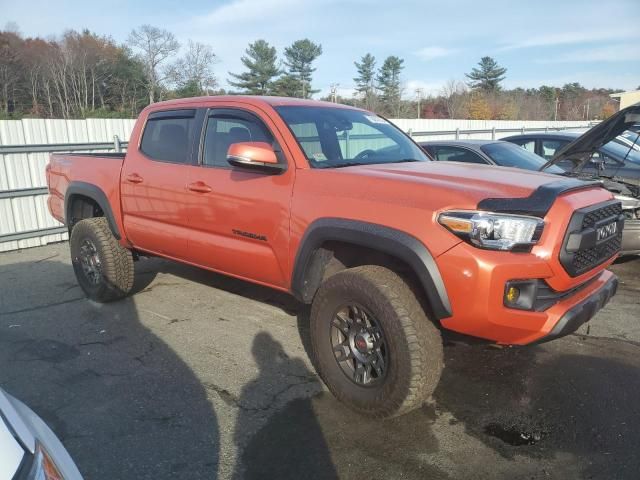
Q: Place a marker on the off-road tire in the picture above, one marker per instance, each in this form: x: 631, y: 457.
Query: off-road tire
x: 116, y: 262
x: 414, y: 343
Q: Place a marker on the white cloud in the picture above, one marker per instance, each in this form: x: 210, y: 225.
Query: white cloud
x: 571, y: 38
x: 429, y: 53
x: 610, y: 53
x: 240, y: 11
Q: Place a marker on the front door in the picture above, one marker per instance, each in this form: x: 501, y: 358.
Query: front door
x: 239, y: 218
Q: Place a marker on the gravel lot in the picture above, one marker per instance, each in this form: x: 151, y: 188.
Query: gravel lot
x: 201, y: 376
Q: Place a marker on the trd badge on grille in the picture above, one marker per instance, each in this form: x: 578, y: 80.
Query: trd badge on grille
x: 606, y: 231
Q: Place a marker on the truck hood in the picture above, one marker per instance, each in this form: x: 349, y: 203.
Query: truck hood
x: 463, y: 184
x: 582, y: 148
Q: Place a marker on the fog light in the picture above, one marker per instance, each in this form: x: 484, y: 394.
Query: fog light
x: 512, y: 294
x: 520, y: 294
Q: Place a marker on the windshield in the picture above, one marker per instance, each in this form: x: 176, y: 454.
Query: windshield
x: 341, y: 137
x: 509, y: 155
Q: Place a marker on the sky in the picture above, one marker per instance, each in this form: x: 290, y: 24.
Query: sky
x: 549, y: 42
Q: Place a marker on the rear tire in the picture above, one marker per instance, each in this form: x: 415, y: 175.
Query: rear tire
x: 104, y: 268
x: 375, y: 323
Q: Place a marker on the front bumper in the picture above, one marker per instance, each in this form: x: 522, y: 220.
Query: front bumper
x: 476, y: 280
x: 631, y: 238
x: 583, y: 311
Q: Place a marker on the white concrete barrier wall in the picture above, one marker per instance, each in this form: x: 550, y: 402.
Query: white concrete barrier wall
x: 27, y: 170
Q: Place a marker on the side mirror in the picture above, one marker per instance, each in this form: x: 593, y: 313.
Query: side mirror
x: 256, y: 155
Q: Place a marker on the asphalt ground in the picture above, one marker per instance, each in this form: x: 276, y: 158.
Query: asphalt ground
x: 202, y: 376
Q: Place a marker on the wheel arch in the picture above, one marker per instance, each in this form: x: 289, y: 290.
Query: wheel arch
x: 315, y: 258
x: 92, y: 194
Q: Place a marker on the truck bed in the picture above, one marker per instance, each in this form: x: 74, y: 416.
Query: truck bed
x: 80, y: 169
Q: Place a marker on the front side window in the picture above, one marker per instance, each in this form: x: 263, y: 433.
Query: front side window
x: 456, y: 154
x: 223, y: 130
x: 529, y: 145
x: 550, y: 147
x: 342, y: 137
x: 166, y: 136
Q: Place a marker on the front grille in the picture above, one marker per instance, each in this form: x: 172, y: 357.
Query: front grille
x: 596, y: 216
x: 586, y: 259
x: 581, y: 250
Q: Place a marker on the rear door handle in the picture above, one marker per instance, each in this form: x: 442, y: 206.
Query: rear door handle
x: 134, y: 178
x: 199, y: 187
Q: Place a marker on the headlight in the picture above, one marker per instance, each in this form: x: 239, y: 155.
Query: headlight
x: 43, y: 467
x: 495, y: 231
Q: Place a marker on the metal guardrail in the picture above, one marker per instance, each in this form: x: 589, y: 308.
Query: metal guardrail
x: 457, y: 132
x: 118, y: 145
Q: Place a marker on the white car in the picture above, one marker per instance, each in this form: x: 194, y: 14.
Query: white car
x: 29, y: 450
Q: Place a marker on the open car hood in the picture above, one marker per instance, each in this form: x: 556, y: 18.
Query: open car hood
x: 582, y: 148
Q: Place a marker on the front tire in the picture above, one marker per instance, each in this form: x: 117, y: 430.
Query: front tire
x: 372, y: 342
x: 104, y: 268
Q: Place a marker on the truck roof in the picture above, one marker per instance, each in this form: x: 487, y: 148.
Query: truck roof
x: 249, y: 99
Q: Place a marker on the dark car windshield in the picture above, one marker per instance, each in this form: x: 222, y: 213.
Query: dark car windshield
x: 341, y: 137
x: 621, y: 150
x: 509, y: 155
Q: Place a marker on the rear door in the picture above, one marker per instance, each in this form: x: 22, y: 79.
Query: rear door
x: 153, y: 183
x: 239, y: 218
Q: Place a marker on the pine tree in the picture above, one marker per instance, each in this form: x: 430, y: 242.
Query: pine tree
x: 260, y: 61
x: 488, y: 76
x: 365, y: 81
x: 299, y: 57
x: 388, y: 79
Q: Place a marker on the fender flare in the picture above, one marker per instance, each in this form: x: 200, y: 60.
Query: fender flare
x: 97, y: 195
x: 306, y: 276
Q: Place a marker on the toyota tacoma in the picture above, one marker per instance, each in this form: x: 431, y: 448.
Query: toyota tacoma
x: 343, y: 210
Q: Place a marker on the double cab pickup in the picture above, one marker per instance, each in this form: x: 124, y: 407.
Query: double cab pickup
x: 341, y: 209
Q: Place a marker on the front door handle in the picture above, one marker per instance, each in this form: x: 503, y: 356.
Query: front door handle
x: 134, y: 178
x: 199, y: 187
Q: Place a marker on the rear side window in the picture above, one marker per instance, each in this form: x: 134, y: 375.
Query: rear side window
x: 167, y: 136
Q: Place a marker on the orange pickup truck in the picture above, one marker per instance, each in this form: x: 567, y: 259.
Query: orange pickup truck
x: 340, y: 208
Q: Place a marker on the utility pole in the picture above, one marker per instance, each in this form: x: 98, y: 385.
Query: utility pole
x: 555, y: 115
x: 334, y: 92
x: 419, y: 93
x: 588, y: 101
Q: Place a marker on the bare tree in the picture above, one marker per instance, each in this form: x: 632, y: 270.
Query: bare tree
x: 454, y: 93
x: 195, y: 69
x: 156, y: 46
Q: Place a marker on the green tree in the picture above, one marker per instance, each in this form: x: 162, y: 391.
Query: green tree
x: 260, y: 61
x: 299, y: 58
x: 488, y: 77
x: 365, y: 81
x: 388, y: 79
